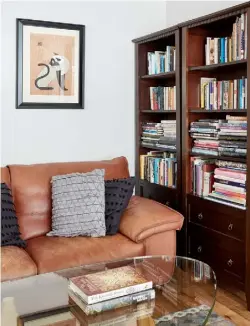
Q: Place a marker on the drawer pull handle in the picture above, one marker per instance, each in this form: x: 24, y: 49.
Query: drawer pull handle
x: 230, y: 226
x: 167, y: 203
x: 230, y: 262
x: 199, y: 249
x: 200, y: 216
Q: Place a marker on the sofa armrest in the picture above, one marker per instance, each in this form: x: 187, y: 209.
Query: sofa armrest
x: 144, y: 218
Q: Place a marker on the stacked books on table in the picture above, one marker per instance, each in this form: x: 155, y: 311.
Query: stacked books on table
x: 161, y: 61
x: 162, y: 98
x: 230, y: 185
x: 220, y: 137
x: 151, y: 133
x: 228, y: 49
x: 159, y: 167
x: 112, y: 289
x: 223, y: 94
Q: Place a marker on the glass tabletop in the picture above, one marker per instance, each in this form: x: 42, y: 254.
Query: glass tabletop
x: 184, y: 288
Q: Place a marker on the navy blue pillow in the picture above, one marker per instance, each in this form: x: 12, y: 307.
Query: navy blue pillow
x: 10, y: 235
x: 117, y: 195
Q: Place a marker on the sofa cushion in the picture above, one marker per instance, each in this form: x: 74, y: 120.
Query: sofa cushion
x: 31, y: 189
x: 54, y: 253
x: 16, y: 263
x: 10, y: 235
x: 78, y: 204
x: 117, y: 195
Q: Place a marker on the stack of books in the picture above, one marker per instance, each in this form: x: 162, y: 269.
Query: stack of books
x: 110, y: 289
x: 233, y: 136
x: 151, y: 133
x: 205, y: 134
x: 202, y: 176
x: 228, y: 49
x: 159, y: 167
x: 220, y: 137
x: 224, y: 94
x: 163, y: 98
x: 168, y: 140
x: 230, y: 185
x: 161, y: 61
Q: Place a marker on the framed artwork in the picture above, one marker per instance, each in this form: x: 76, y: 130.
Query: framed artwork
x: 50, y: 65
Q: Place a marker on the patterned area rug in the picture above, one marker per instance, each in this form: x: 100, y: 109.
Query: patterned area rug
x: 193, y: 317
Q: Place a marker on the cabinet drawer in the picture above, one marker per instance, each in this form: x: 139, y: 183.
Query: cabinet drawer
x: 211, y: 215
x: 222, y: 253
x: 161, y: 194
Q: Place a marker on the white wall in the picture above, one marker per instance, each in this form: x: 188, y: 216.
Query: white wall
x: 106, y: 127
x: 180, y: 11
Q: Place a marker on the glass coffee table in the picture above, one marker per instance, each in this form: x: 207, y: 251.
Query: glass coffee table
x: 185, y: 291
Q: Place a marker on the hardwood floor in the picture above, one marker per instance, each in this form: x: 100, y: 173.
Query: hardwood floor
x: 232, y: 307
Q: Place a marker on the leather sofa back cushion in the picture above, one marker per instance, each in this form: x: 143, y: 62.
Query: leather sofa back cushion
x: 31, y: 189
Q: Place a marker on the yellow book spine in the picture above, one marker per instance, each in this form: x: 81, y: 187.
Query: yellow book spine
x: 142, y: 166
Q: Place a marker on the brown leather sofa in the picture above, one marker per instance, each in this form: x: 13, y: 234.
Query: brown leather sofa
x: 146, y: 228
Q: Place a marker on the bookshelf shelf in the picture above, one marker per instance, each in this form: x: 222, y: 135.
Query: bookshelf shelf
x: 243, y: 111
x: 159, y: 112
x: 156, y: 148
x: 219, y: 65
x: 164, y: 75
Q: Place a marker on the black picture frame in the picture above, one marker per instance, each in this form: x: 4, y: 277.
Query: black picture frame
x: 19, y: 65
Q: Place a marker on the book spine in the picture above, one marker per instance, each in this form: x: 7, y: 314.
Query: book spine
x: 208, y: 51
x: 242, y: 32
x: 216, y: 50
x: 119, y: 293
x: 215, y: 96
x: 226, y: 51
x: 235, y: 94
x: 245, y: 37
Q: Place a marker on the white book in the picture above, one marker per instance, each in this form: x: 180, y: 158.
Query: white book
x: 174, y: 58
x: 230, y: 188
x: 235, y: 94
x: 226, y: 54
x: 208, y: 51
x: 166, y: 102
x: 223, y: 177
x: 216, y: 59
x: 229, y: 198
x: 151, y: 94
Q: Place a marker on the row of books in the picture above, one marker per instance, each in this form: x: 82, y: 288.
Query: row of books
x: 160, y: 168
x: 224, y: 94
x: 160, y: 134
x: 161, y: 61
x: 162, y: 98
x: 228, y: 49
x: 219, y: 181
x: 220, y: 137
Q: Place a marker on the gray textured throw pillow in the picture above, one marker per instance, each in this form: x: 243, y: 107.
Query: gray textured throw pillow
x: 78, y: 204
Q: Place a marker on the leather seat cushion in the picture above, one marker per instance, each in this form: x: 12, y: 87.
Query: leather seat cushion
x: 16, y: 263
x: 55, y: 253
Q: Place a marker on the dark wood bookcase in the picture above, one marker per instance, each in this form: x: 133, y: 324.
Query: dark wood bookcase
x: 213, y: 232
x: 216, y: 233
x: 157, y: 42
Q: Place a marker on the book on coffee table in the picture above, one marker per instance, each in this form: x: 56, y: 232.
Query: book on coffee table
x: 111, y: 304
x: 109, y: 284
